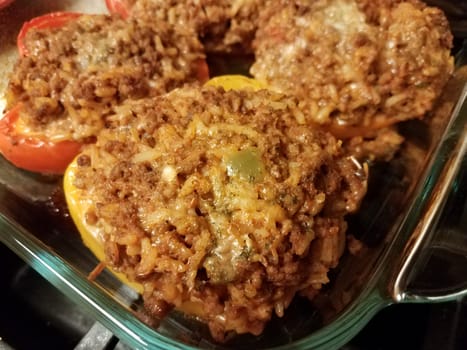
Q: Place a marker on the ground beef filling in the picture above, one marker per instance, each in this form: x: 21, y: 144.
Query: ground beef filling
x: 227, y: 202
x: 74, y: 74
x: 223, y: 26
x: 355, y: 63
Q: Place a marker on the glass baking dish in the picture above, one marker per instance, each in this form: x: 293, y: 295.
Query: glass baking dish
x: 397, y: 224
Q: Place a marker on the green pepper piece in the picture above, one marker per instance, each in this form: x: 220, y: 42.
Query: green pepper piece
x: 246, y: 164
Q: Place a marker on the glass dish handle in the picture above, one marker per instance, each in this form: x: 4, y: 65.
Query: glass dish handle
x: 433, y: 264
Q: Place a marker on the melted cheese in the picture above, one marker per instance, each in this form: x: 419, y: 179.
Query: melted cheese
x: 345, y: 17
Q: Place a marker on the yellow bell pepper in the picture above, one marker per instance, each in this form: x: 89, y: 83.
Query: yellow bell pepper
x: 236, y: 82
x: 90, y: 234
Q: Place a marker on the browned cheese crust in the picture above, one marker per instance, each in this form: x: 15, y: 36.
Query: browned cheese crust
x: 355, y: 63
x: 74, y: 74
x: 224, y: 200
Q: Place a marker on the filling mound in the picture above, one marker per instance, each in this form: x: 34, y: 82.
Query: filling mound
x: 223, y: 203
